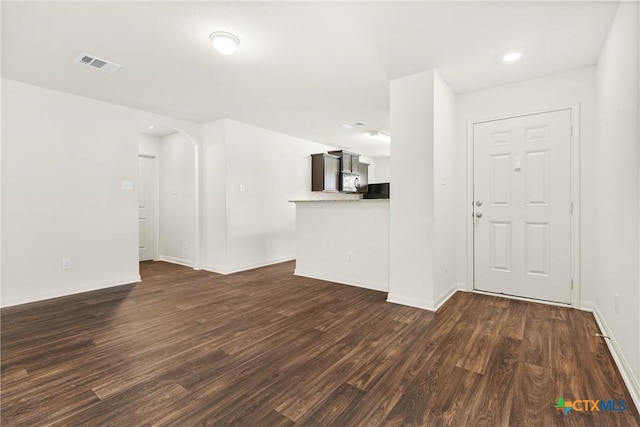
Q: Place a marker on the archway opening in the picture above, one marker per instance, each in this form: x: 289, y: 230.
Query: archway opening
x: 168, y: 196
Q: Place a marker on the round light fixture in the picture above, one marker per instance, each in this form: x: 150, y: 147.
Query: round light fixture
x: 225, y: 43
x: 511, y: 57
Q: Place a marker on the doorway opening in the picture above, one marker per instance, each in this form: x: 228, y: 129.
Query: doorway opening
x: 168, y: 196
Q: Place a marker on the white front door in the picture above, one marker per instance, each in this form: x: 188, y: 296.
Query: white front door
x: 146, y: 207
x: 522, y: 206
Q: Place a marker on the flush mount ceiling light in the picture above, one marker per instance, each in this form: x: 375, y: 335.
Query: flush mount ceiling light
x: 511, y: 57
x: 380, y: 135
x: 225, y: 43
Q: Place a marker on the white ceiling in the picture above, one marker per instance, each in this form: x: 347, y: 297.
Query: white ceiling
x: 302, y: 68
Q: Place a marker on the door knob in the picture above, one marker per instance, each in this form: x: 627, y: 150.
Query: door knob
x: 478, y: 214
x: 478, y: 203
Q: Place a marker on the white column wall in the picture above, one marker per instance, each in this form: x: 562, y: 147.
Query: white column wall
x: 617, y: 191
x: 411, y: 210
x: 445, y: 167
x: 214, y: 228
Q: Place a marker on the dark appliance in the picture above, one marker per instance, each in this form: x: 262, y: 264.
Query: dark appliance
x: 378, y: 191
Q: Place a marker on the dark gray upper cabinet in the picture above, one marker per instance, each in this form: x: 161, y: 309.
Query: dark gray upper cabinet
x: 325, y: 172
x: 349, y: 162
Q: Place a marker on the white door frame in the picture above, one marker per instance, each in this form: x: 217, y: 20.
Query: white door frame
x: 575, y: 199
x: 156, y: 203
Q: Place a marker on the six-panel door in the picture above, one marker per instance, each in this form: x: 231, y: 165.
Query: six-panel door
x: 522, y: 206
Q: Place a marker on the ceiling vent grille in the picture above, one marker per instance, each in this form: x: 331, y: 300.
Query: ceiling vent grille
x: 97, y: 63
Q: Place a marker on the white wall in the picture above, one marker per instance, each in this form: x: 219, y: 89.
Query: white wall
x: 555, y: 91
x: 214, y: 187
x: 383, y: 170
x: 411, y: 204
x: 444, y: 168
x: 64, y: 158
x: 617, y: 190
x: 63, y: 162
x: 149, y: 145
x: 259, y: 221
x: 356, y: 255
x: 177, y: 216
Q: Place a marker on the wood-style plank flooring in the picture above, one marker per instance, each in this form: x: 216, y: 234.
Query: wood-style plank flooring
x: 266, y: 348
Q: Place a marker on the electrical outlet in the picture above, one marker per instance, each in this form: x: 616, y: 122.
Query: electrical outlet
x: 185, y: 245
x: 349, y: 256
x: 616, y: 304
x: 446, y: 265
x: 66, y: 263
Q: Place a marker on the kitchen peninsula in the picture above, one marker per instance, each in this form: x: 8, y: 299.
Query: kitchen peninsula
x: 344, y: 241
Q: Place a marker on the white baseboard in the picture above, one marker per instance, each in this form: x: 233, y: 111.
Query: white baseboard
x: 445, y: 295
x: 383, y: 287
x: 25, y: 299
x: 251, y: 266
x: 213, y: 269
x: 174, y: 260
x: 462, y: 286
x: 411, y: 302
x: 238, y: 269
x: 625, y: 370
x: 426, y: 304
x: 587, y: 306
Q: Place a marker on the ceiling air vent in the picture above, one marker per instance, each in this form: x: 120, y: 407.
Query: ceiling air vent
x: 97, y: 63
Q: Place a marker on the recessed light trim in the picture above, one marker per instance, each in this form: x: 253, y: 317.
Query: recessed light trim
x: 224, y: 42
x: 352, y: 125
x: 380, y: 135
x: 512, y: 57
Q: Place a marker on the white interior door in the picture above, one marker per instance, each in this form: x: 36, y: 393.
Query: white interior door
x: 146, y: 207
x: 522, y: 206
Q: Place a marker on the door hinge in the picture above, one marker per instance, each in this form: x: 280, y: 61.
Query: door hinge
x: 571, y: 211
x: 572, y: 283
x: 571, y: 132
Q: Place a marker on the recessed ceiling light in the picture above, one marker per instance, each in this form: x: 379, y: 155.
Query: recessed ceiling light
x: 151, y: 127
x: 380, y: 135
x: 352, y: 125
x: 511, y: 57
x: 225, y: 43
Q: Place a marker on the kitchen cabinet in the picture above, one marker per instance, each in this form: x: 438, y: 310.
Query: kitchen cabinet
x: 364, y: 177
x: 349, y: 162
x: 325, y: 172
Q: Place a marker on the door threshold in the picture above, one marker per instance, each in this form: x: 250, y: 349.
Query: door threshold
x: 526, y: 299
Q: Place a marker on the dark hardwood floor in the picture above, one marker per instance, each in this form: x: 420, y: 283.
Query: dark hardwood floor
x: 265, y: 348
